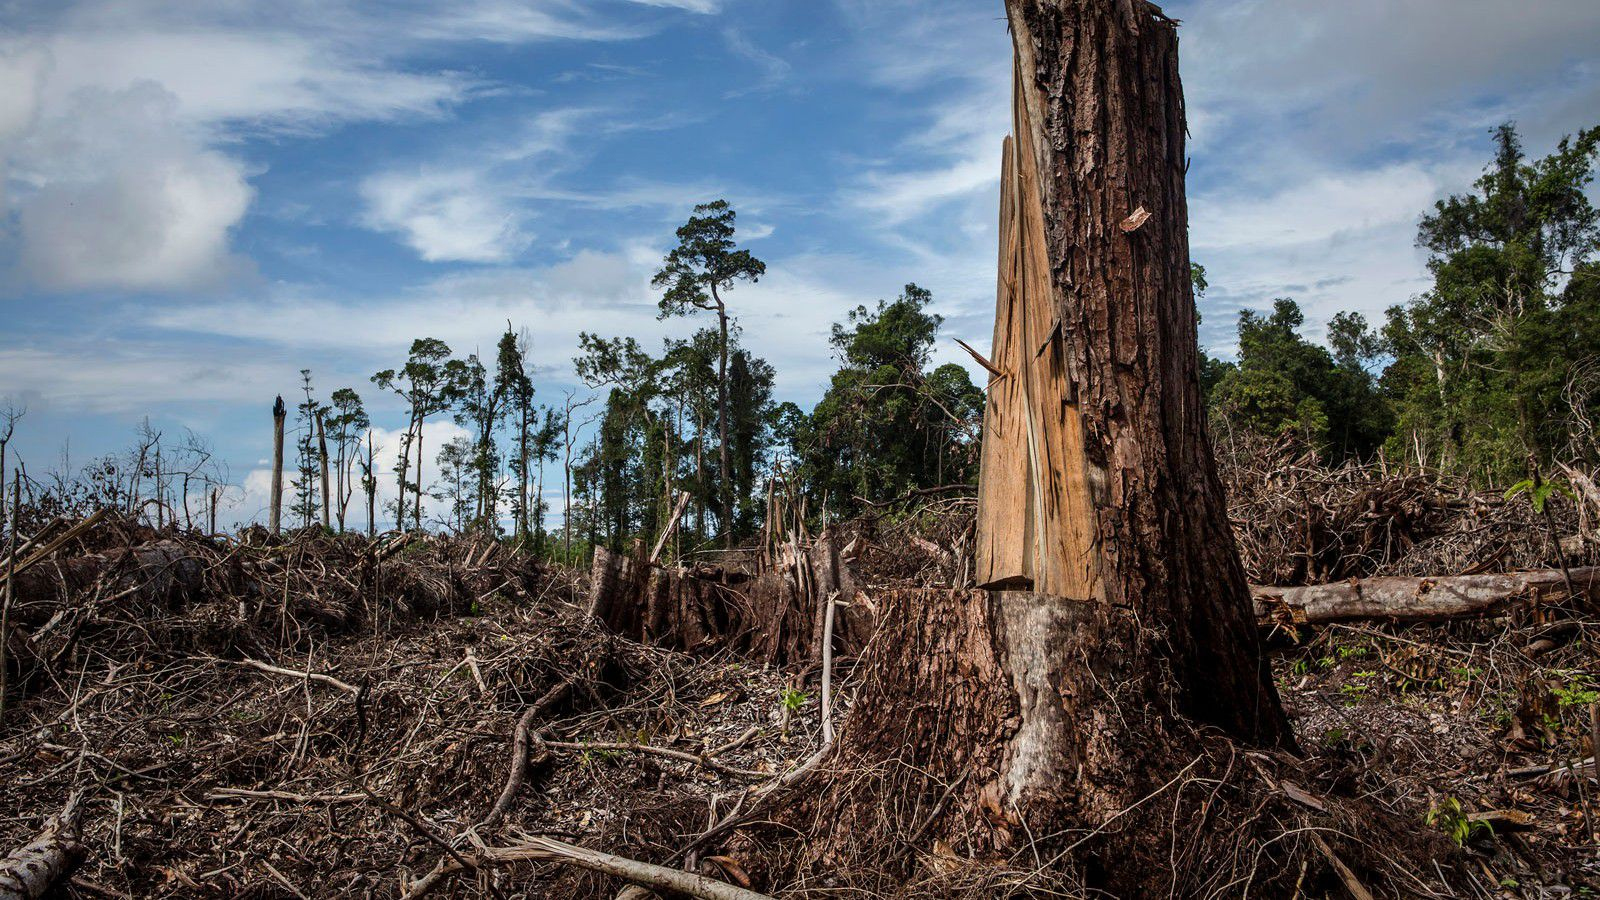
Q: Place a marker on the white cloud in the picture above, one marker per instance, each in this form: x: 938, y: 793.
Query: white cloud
x: 775, y: 71
x: 167, y: 84
x: 449, y: 215
x: 100, y: 374
x: 1364, y: 72
x: 116, y: 193
x: 1319, y: 207
x: 272, y: 78
x: 703, y: 7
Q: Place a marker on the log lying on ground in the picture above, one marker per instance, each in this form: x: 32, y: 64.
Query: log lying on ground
x: 544, y: 849
x: 31, y: 870
x: 1415, y: 599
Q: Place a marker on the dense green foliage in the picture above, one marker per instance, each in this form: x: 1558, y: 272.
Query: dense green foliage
x: 1490, y: 371
x: 1492, y: 362
x: 886, y: 425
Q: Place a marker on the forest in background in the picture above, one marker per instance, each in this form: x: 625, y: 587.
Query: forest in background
x: 1492, y: 375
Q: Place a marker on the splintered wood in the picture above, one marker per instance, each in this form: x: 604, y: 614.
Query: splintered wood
x: 1036, y: 519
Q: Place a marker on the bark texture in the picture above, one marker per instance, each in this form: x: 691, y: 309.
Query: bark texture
x: 1099, y: 124
x: 30, y: 871
x: 775, y: 618
x: 1117, y: 653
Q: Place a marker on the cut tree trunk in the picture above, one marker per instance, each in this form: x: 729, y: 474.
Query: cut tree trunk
x: 322, y: 458
x: 775, y: 618
x: 1115, y: 653
x: 1415, y: 599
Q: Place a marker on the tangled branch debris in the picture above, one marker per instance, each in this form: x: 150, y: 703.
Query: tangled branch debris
x: 330, y: 716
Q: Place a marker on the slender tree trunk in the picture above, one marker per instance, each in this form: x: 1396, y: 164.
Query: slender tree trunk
x: 322, y: 458
x: 1117, y: 648
x: 370, y: 485
x: 725, y: 488
x: 278, y: 414
x: 406, y: 441
x: 566, y: 489
x: 421, y: 420
x: 700, y: 473
x: 522, y: 472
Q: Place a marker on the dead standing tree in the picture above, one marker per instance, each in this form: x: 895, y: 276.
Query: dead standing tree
x: 279, y: 412
x: 1109, y: 654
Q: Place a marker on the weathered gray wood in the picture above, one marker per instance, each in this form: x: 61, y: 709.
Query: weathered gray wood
x: 1400, y: 599
x: 31, y: 870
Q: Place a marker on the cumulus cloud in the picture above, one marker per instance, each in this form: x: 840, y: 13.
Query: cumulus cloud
x: 114, y: 192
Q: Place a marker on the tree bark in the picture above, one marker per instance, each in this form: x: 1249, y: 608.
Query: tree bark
x: 278, y: 414
x: 1117, y: 650
x: 31, y: 870
x: 725, y: 488
x: 322, y: 458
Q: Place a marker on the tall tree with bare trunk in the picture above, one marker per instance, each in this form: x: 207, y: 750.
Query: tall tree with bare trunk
x: 696, y: 274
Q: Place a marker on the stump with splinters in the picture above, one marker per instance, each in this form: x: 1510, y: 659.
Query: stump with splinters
x: 1081, y: 714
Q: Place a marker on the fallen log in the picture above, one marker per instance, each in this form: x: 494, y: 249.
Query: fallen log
x: 544, y: 849
x: 30, y: 871
x: 1399, y: 599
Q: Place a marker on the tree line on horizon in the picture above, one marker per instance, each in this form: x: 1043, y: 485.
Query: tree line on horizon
x: 1492, y: 371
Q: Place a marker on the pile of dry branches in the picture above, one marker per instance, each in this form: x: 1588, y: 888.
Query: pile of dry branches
x: 1299, y: 521
x: 327, y: 716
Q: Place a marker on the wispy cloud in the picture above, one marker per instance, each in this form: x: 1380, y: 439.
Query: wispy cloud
x: 775, y: 71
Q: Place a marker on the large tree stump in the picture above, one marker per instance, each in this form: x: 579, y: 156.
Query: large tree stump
x: 1116, y: 658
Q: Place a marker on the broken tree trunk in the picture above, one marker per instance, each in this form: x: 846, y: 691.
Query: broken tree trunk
x: 1116, y: 646
x: 322, y: 459
x: 776, y: 618
x: 278, y: 414
x: 31, y: 870
x: 1415, y: 599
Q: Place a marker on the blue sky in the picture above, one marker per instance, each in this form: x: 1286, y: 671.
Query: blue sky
x: 197, y: 200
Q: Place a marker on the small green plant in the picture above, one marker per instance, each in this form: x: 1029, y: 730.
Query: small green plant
x: 1578, y: 690
x: 1453, y: 821
x: 1539, y: 491
x: 1357, y: 652
x: 792, y: 699
x: 594, y: 756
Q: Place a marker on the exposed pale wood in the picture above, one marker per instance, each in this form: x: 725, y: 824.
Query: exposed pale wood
x: 1413, y: 599
x: 545, y: 849
x: 1036, y: 521
x: 1001, y: 552
x: 307, y: 676
x: 672, y: 525
x: 55, y: 544
x: 31, y: 870
x: 980, y: 359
